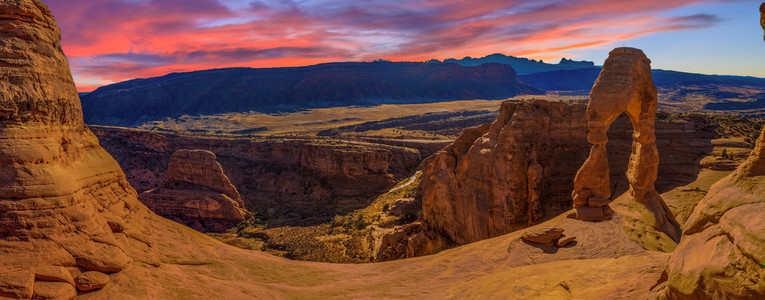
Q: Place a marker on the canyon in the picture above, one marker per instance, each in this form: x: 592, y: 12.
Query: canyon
x: 305, y: 177
x: 519, y: 170
x: 72, y: 226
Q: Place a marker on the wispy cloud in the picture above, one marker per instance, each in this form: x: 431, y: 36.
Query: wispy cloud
x: 112, y: 40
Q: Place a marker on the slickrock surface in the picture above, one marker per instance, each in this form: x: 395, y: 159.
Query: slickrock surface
x: 61, y: 194
x: 722, y: 254
x: 197, y: 193
x: 521, y: 168
x: 624, y: 86
x: 91, y: 280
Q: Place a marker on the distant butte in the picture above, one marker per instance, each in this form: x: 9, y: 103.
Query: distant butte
x: 197, y: 193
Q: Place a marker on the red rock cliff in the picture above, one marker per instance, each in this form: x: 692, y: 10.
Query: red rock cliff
x: 197, y: 193
x: 64, y: 202
x: 722, y: 254
x: 519, y: 170
x: 298, y: 173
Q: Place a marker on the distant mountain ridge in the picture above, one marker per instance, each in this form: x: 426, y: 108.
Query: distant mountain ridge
x: 678, y: 91
x: 208, y: 92
x: 583, y: 79
x: 522, y: 65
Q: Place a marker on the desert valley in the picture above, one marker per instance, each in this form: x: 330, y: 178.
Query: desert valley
x: 499, y: 177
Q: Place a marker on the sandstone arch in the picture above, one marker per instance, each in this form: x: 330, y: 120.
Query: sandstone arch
x: 624, y: 85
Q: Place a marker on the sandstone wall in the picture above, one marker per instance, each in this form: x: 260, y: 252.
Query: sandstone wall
x: 292, y: 172
x: 722, y: 252
x: 519, y: 171
x: 64, y: 202
x: 197, y: 193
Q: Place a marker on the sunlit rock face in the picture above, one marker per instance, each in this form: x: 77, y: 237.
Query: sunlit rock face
x: 625, y: 86
x: 197, y: 193
x: 63, y: 200
x: 722, y: 255
x: 507, y: 175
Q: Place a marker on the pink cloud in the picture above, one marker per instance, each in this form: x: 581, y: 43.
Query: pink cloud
x: 114, y: 40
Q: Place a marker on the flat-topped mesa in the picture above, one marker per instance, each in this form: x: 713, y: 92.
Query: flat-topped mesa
x: 63, y: 200
x: 623, y: 86
x: 197, y: 193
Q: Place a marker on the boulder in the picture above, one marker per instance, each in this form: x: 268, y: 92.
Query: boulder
x: 91, y: 280
x: 53, y: 273
x: 54, y: 290
x: 562, y: 242
x: 543, y: 235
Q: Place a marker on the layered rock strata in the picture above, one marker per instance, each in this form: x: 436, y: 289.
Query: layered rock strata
x: 623, y: 86
x: 64, y: 202
x: 301, y: 174
x: 197, y: 193
x: 410, y: 240
x: 722, y: 254
x: 487, y: 182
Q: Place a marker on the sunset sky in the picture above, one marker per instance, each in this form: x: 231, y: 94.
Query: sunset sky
x: 113, y: 40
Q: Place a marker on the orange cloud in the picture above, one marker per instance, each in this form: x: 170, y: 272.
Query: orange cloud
x: 114, y: 40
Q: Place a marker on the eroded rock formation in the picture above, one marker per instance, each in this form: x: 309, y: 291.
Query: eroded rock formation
x: 64, y: 202
x: 623, y: 86
x: 501, y: 177
x: 197, y: 193
x: 410, y: 240
x: 722, y: 254
x: 304, y: 176
x: 488, y: 183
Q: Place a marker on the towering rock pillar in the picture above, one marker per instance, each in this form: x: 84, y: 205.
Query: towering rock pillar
x: 623, y: 86
x: 64, y: 202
